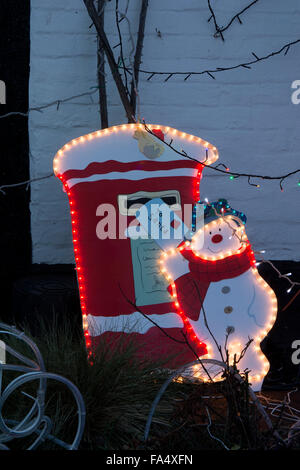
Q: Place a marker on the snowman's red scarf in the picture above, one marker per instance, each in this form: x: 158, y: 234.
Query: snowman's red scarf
x: 192, y: 287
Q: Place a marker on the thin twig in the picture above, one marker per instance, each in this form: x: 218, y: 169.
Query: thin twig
x: 148, y: 318
x: 138, y: 54
x: 243, y: 351
x: 186, y: 342
x: 110, y: 58
x: 206, y: 322
x: 121, y: 44
x: 196, y: 355
x: 101, y: 70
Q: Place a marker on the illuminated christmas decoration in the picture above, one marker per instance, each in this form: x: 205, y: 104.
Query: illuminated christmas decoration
x: 108, y: 175
x: 218, y: 291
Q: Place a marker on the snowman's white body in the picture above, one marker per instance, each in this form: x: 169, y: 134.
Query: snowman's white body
x: 245, y: 303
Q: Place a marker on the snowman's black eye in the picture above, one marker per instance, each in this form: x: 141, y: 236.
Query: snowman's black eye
x: 219, y: 230
x: 210, y: 233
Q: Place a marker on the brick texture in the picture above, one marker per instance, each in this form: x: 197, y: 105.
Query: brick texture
x: 247, y: 114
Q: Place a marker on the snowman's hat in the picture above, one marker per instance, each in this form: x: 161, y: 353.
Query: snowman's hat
x: 217, y: 209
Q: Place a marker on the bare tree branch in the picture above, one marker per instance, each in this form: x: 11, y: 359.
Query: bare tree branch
x: 138, y: 53
x: 101, y: 70
x: 121, y: 44
x: 110, y: 58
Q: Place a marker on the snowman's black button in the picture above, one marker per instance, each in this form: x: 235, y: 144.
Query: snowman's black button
x: 225, y: 289
x: 228, y: 309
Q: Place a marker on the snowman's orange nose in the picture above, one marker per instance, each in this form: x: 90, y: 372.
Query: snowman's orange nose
x: 217, y: 238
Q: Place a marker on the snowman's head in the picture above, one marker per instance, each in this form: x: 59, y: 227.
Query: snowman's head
x: 219, y: 238
x: 223, y: 233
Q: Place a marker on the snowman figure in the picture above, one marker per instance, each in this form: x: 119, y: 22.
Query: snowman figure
x: 219, y: 293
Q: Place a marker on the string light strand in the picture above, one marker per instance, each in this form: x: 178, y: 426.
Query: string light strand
x: 285, y: 48
x: 280, y: 275
x: 219, y: 31
x: 22, y: 183
x: 227, y: 171
x: 56, y: 103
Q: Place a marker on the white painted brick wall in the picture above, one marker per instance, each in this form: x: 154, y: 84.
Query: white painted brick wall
x: 247, y: 114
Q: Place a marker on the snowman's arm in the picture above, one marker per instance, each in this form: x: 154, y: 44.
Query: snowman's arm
x: 263, y: 302
x: 176, y: 265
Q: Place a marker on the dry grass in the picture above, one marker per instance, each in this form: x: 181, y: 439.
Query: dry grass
x: 118, y: 392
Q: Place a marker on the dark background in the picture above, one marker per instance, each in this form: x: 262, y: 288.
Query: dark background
x: 15, y: 238
x: 31, y: 291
